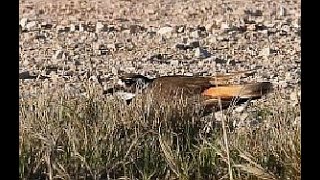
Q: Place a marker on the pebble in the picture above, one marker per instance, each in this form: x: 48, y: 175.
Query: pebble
x: 174, y: 62
x: 31, y: 24
x: 264, y: 52
x: 224, y: 26
x: 195, y: 34
x: 99, y: 27
x: 201, y: 53
x: 23, y: 22
x: 165, y: 30
x: 58, y: 55
x: 72, y: 28
x: 294, y: 96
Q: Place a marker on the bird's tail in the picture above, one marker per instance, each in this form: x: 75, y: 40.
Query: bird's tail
x: 245, y: 91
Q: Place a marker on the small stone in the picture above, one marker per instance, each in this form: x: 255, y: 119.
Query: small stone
x: 180, y: 46
x: 111, y: 46
x: 174, y: 62
x: 195, y: 34
x: 23, y: 22
x: 194, y: 44
x: 52, y: 73
x: 224, y: 26
x: 31, y: 24
x: 288, y: 76
x: 133, y: 29
x: 180, y: 29
x: 130, y: 69
x: 283, y: 84
x: 188, y: 74
x: 251, y: 27
x: 25, y: 63
x: 165, y: 30
x: 201, y: 53
x: 72, y: 28
x: 81, y: 27
x: 264, y: 52
x: 58, y: 54
x: 99, y: 27
x: 293, y: 96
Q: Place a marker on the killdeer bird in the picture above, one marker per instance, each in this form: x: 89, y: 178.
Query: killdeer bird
x: 212, y: 93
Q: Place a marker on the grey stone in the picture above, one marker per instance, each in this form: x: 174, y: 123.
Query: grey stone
x: 201, y: 53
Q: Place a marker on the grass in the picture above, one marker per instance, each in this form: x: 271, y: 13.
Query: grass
x: 62, y: 137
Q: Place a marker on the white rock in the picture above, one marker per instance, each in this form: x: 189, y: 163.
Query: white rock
x: 165, y: 30
x: 197, y: 52
x: 72, y: 27
x: 99, y: 27
x: 283, y: 84
x: 188, y: 74
x: 31, y: 24
x: 111, y: 46
x: 265, y: 52
x: 124, y: 95
x: 174, y: 62
x: 23, y: 22
x: 293, y: 96
x: 224, y: 26
x: 81, y: 28
x: 195, y: 34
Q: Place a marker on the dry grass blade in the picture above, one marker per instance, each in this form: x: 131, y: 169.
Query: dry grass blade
x: 172, y: 162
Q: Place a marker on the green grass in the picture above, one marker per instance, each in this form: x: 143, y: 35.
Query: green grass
x: 89, y: 138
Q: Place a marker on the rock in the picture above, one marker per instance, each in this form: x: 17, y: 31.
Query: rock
x: 81, y: 28
x: 264, y: 52
x: 195, y: 34
x: 99, y: 27
x: 23, y: 22
x: 111, y: 46
x: 31, y: 24
x: 194, y: 44
x: 224, y: 26
x: 251, y: 27
x: 188, y: 74
x: 72, y: 28
x: 133, y: 29
x: 180, y: 29
x: 283, y: 84
x: 58, y: 55
x: 201, y: 53
x: 181, y: 46
x: 165, y: 30
x: 294, y: 96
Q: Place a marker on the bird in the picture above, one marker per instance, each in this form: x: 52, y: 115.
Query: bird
x: 211, y: 93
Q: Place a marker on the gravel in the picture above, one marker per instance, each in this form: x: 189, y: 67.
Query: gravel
x: 81, y: 39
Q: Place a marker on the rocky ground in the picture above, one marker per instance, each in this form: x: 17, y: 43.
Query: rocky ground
x: 64, y: 43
